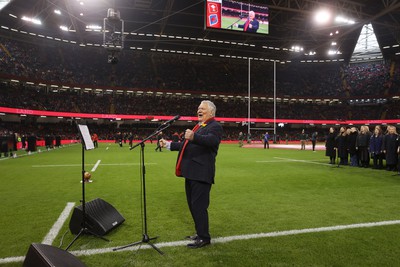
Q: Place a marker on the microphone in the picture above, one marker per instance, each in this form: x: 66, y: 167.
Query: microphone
x: 171, y: 120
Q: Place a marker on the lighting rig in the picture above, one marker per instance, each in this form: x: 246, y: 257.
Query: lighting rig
x: 113, y: 35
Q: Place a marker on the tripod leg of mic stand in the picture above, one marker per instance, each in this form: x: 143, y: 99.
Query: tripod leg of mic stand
x: 156, y: 248
x: 76, y: 237
x: 86, y: 231
x: 145, y: 240
x: 127, y: 246
x: 96, y: 235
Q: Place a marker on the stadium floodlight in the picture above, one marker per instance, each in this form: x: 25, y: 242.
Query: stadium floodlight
x: 93, y: 27
x: 297, y: 48
x: 57, y: 11
x: 322, y: 16
x: 64, y: 28
x: 33, y: 20
x: 340, y: 19
x: 4, y: 3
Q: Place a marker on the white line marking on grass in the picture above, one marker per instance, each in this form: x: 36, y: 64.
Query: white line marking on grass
x: 304, y: 161
x: 127, y: 164
x: 19, y: 156
x: 305, y: 231
x: 95, y: 166
x: 245, y: 237
x: 32, y: 153
x: 52, y: 234
x: 273, y: 161
x: 88, y: 252
x: 74, y: 165
x: 56, y: 165
x: 12, y: 259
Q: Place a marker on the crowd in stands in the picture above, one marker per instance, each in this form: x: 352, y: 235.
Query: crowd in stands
x: 74, y: 65
x: 31, y: 97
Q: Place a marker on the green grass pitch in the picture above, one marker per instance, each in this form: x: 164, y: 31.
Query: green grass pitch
x: 256, y: 191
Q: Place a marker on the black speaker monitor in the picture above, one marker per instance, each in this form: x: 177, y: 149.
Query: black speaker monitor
x: 41, y: 255
x: 101, y: 217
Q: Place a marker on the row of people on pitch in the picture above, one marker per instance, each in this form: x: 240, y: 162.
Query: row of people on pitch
x: 362, y: 145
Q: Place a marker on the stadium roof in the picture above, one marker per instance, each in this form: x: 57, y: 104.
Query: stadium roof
x: 178, y: 26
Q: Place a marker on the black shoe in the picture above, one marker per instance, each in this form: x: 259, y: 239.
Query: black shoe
x: 192, y: 237
x: 198, y: 243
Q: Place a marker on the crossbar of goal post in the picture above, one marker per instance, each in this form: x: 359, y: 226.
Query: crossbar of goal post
x: 249, y: 101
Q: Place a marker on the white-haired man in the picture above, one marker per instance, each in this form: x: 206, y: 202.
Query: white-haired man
x: 251, y: 24
x: 196, y: 163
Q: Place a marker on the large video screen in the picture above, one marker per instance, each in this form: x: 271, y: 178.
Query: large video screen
x: 236, y: 16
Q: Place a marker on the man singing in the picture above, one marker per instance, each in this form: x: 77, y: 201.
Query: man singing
x: 196, y: 163
x: 251, y: 24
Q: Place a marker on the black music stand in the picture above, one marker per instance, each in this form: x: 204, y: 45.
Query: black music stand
x: 87, y: 144
x: 145, y: 239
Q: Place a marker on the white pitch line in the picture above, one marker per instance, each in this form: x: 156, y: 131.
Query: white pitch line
x: 273, y: 161
x: 32, y: 153
x: 304, y: 161
x: 52, y: 234
x: 305, y: 231
x: 56, y: 165
x: 88, y: 252
x: 12, y: 259
x: 127, y: 164
x: 244, y: 237
x: 95, y: 166
x: 74, y: 165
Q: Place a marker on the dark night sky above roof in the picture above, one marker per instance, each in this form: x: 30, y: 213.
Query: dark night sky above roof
x: 290, y: 24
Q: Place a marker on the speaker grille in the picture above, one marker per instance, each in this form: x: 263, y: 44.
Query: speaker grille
x: 101, y: 217
x: 41, y: 255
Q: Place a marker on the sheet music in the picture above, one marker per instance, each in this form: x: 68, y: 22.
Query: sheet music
x: 87, y: 139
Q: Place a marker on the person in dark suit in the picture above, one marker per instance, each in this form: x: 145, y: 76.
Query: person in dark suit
x: 330, y: 145
x: 266, y: 140
x: 341, y: 142
x: 196, y: 163
x: 251, y: 24
x: 314, y: 140
x: 159, y: 137
x: 390, y: 147
x: 375, y: 148
x: 352, y: 146
x: 362, y: 144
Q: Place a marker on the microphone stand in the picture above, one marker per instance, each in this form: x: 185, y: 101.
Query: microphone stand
x: 145, y: 238
x: 84, y: 230
x: 231, y: 26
